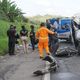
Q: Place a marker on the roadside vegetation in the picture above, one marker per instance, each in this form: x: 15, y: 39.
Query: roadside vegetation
x: 10, y: 14
x: 4, y: 25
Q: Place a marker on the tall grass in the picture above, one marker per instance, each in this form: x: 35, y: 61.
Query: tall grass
x: 3, y: 46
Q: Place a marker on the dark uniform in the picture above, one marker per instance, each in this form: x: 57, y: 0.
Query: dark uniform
x: 32, y: 38
x: 48, y: 26
x: 11, y: 40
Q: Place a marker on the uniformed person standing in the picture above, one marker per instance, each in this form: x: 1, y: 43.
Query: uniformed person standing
x: 11, y: 39
x: 42, y: 35
x: 32, y: 37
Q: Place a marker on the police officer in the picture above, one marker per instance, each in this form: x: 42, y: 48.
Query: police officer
x: 11, y: 39
x: 32, y: 37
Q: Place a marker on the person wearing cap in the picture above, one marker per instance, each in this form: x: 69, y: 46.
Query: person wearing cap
x: 11, y: 39
x: 42, y: 35
x: 32, y: 37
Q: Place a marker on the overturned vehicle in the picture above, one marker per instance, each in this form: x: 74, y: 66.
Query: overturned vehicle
x: 75, y: 33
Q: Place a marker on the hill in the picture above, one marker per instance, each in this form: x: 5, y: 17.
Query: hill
x: 40, y: 18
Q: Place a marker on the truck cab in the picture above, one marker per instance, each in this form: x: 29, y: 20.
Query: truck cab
x: 63, y: 28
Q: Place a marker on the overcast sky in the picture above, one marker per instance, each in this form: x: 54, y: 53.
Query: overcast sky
x: 55, y: 7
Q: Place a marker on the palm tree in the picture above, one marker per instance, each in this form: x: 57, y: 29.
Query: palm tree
x: 2, y: 13
x: 10, y: 9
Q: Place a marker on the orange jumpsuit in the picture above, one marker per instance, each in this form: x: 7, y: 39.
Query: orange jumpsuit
x: 42, y: 35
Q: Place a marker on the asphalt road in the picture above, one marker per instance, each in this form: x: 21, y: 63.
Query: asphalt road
x: 69, y: 66
x: 21, y: 66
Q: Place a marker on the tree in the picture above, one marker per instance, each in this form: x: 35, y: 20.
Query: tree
x: 10, y: 10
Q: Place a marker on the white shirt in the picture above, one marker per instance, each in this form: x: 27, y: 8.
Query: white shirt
x: 56, y: 24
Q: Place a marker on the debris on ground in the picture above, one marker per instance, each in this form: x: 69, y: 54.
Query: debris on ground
x: 52, y: 66
x: 66, y: 51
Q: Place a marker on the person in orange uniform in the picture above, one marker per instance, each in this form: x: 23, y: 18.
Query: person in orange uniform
x: 42, y: 35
